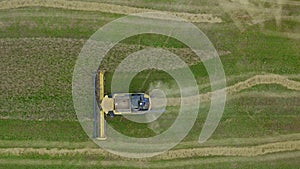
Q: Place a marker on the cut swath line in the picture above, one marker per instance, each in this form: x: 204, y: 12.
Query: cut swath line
x: 149, y: 164
x: 144, y: 83
x: 103, y: 7
x: 248, y: 151
x: 256, y: 80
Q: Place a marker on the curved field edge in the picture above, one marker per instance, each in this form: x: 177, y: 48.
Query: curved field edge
x: 240, y: 86
x: 257, y: 80
x: 103, y: 7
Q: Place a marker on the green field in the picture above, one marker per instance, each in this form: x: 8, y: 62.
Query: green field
x: 39, y: 46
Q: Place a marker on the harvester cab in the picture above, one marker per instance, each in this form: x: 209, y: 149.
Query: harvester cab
x: 116, y: 104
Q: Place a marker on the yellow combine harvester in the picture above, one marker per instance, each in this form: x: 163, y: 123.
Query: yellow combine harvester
x: 117, y: 104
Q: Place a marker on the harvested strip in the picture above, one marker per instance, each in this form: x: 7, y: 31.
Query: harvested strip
x: 258, y: 80
x: 264, y: 79
x: 233, y: 151
x: 103, y: 7
x: 196, y: 162
x: 173, y: 154
x: 53, y: 151
x: 46, y: 162
x: 285, y: 2
x: 53, y: 144
x: 149, y: 164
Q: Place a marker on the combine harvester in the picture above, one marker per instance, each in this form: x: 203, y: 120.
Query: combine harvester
x: 115, y: 104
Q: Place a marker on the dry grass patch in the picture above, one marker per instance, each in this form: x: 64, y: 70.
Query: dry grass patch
x: 172, y: 154
x: 103, y: 7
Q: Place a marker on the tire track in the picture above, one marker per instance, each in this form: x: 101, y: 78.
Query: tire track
x: 103, y: 7
x: 238, y: 87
